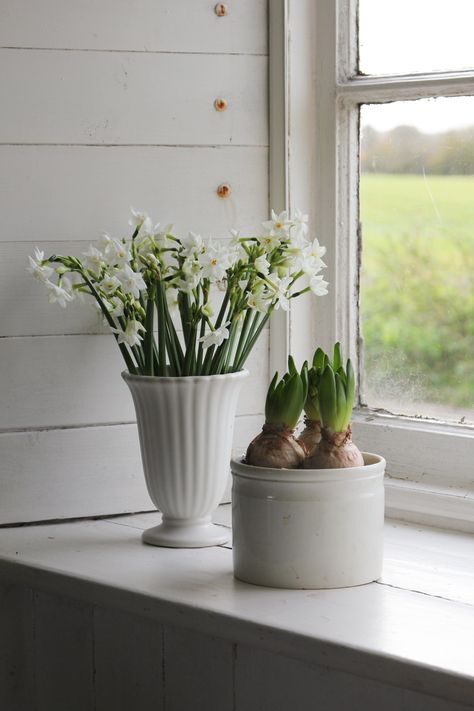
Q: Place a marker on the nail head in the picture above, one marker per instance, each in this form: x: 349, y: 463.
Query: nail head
x: 220, y: 104
x: 221, y: 9
x: 224, y: 190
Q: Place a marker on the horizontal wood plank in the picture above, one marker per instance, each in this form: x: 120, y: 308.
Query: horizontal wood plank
x: 144, y: 25
x: 90, y: 471
x: 132, y: 98
x: 72, y: 193
x: 61, y: 381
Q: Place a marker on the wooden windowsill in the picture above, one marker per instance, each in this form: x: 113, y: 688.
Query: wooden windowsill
x: 413, y: 628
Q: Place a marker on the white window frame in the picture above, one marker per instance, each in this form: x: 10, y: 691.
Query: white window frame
x: 314, y: 165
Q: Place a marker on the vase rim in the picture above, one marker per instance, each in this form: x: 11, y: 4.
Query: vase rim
x: 184, y: 378
x: 374, y: 466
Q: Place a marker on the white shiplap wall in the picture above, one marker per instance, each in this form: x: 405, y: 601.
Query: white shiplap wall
x: 106, y: 104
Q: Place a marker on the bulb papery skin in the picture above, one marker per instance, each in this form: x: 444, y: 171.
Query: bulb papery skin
x: 336, y: 450
x: 310, y: 437
x: 275, y: 447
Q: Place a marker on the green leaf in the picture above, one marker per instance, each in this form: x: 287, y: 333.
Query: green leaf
x: 337, y: 359
x: 318, y: 358
x: 291, y: 365
x: 327, y: 398
x: 350, y: 389
x: 341, y: 424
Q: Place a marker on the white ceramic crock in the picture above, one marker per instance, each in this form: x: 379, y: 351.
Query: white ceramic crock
x: 186, y: 427
x: 308, y: 528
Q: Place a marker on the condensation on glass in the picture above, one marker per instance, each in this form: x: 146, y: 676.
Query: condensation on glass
x: 417, y: 273
x: 415, y: 36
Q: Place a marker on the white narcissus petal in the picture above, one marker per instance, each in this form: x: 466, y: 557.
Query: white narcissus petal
x: 132, y: 282
x: 216, y: 337
x: 318, y: 286
x: 131, y: 335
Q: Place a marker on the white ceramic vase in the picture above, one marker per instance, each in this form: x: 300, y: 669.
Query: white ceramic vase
x: 186, y: 427
x: 308, y: 528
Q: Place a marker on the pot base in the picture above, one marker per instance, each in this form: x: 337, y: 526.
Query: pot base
x: 197, y: 533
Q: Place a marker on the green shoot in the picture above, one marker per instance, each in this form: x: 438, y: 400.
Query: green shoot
x: 336, y: 397
x: 337, y: 390
x: 285, y: 399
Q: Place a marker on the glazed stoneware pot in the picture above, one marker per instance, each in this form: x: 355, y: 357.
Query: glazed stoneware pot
x: 186, y: 427
x: 308, y: 528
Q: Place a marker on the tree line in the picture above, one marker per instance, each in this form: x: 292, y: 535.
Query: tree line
x: 406, y: 149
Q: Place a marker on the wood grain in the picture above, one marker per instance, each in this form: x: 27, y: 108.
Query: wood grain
x: 147, y: 25
x: 132, y: 98
x: 73, y: 193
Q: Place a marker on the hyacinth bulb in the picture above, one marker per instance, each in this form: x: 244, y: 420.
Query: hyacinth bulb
x: 276, y: 446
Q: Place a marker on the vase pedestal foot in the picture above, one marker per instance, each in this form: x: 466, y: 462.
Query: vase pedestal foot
x: 192, y: 533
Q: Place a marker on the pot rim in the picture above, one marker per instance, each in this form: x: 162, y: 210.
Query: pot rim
x: 183, y: 378
x: 374, y: 467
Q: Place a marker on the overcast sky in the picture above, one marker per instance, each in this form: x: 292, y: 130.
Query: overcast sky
x: 417, y: 36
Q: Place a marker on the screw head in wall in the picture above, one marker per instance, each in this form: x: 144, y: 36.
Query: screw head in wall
x: 224, y: 190
x: 221, y: 9
x: 220, y: 104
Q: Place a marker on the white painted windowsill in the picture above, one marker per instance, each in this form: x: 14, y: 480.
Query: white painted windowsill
x: 414, y: 628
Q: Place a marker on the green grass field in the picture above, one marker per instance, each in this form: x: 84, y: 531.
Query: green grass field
x: 417, y: 289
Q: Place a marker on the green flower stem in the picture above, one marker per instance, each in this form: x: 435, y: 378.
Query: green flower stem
x: 148, y: 340
x: 209, y: 359
x: 243, y: 335
x: 231, y: 342
x: 123, y: 349
x: 200, y: 348
x: 161, y: 330
x: 252, y: 340
x: 190, y: 355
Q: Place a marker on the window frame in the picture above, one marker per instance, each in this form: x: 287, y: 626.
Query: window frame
x: 315, y: 94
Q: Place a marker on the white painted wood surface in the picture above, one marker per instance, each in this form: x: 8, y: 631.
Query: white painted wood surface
x: 63, y: 653
x: 198, y: 671
x: 128, y: 662
x: 132, y: 98
x: 16, y: 647
x: 401, y: 641
x: 58, y: 193
x: 144, y: 26
x: 88, y: 471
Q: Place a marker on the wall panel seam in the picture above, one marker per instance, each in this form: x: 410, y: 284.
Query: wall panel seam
x: 133, y: 51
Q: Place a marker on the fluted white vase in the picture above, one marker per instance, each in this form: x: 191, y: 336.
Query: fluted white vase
x: 186, y: 425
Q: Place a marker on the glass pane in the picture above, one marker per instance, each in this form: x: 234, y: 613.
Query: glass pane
x: 409, y: 36
x: 417, y: 275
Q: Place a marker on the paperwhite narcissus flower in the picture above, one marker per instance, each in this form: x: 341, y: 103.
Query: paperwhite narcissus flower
x: 280, y: 289
x: 94, y: 259
x: 192, y: 243
x: 300, y: 222
x: 262, y: 265
x: 42, y: 273
x: 58, y: 295
x: 131, y: 335
x: 117, y: 253
x: 269, y: 241
x: 132, y: 282
x: 318, y: 286
x: 316, y: 250
x: 137, y: 219
x: 109, y: 284
x: 216, y: 337
x: 215, y: 262
x: 259, y: 301
x: 279, y: 224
